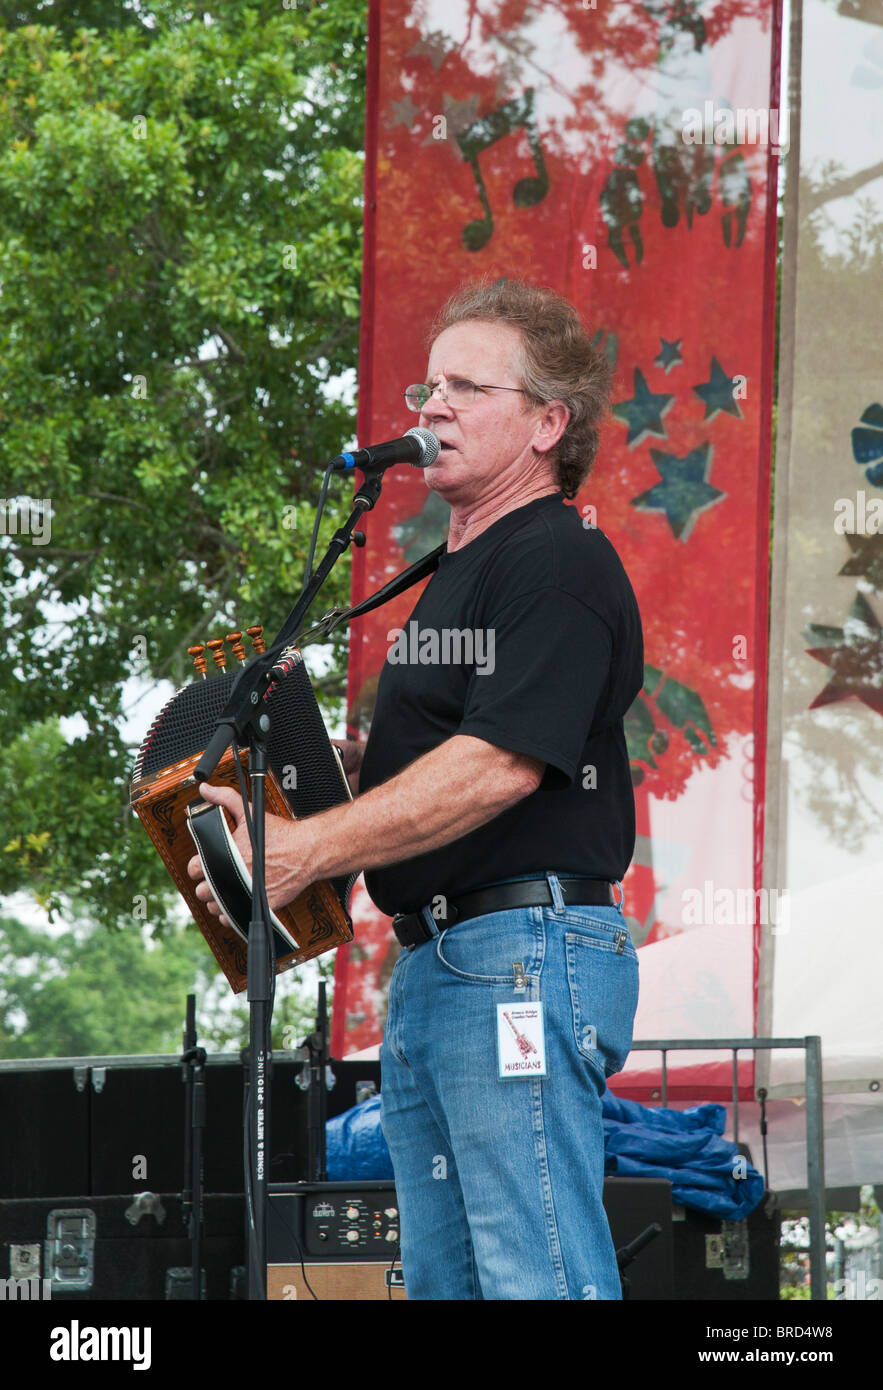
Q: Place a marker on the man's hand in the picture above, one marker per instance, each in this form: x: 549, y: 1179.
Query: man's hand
x: 288, y: 853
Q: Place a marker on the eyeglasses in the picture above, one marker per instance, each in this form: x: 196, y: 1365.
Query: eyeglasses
x: 456, y: 392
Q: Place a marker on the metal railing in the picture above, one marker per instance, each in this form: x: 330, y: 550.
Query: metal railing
x: 815, y: 1139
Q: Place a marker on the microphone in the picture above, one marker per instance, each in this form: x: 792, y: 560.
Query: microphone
x: 419, y: 447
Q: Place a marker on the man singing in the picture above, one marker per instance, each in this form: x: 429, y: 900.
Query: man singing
x: 495, y: 821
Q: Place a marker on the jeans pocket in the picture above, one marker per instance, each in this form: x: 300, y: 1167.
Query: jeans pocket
x: 484, y: 950
x: 603, y: 983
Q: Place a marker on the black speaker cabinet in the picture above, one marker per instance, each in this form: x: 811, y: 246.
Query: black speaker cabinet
x: 101, y: 1126
x: 632, y: 1205
x: 727, y: 1260
x: 122, y: 1247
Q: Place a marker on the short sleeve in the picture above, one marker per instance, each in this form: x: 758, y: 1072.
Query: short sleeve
x: 545, y: 668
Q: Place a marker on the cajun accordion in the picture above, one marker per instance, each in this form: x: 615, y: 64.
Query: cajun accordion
x: 304, y: 776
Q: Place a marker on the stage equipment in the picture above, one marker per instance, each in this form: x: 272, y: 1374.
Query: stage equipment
x: 727, y: 1260
x: 127, y: 1246
x: 333, y: 1240
x: 319, y: 1234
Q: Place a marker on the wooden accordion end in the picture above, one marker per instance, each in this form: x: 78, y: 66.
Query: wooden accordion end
x: 304, y: 777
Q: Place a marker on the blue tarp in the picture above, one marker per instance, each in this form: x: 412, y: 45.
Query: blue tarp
x: 355, y: 1149
x: 705, y: 1171
x: 685, y: 1146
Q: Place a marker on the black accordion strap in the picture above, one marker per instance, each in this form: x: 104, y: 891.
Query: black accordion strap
x: 225, y: 871
x: 412, y: 575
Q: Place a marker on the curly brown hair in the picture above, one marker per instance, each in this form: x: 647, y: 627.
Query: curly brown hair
x: 559, y: 361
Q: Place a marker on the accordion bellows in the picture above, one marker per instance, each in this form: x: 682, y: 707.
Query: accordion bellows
x: 304, y: 777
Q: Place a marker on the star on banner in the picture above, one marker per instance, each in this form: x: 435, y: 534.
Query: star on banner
x: 716, y: 393
x: 669, y: 355
x: 866, y: 559
x: 854, y: 654
x: 684, y: 491
x: 459, y: 115
x: 435, y: 46
x: 643, y: 413
x: 404, y: 111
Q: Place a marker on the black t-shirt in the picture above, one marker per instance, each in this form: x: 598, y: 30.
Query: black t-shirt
x: 529, y: 637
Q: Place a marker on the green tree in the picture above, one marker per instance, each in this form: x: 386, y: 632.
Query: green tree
x: 94, y: 992
x: 180, y: 251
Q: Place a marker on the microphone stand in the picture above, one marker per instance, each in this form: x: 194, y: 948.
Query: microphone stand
x: 316, y: 1048
x: 628, y: 1253
x: 193, y: 1066
x: 244, y: 721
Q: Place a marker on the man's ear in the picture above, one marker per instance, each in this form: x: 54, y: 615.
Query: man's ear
x: 552, y: 424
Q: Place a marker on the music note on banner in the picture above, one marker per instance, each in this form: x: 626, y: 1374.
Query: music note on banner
x: 513, y: 115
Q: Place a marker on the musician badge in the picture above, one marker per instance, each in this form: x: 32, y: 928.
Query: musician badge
x: 521, y: 1043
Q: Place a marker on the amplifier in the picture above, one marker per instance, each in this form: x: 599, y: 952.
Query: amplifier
x: 334, y: 1228
x: 333, y: 1240
x: 332, y: 1221
x: 340, y: 1282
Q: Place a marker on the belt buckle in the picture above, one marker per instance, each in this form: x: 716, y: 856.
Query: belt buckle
x: 418, y: 931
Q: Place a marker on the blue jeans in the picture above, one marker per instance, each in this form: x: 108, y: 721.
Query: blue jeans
x: 499, y: 1181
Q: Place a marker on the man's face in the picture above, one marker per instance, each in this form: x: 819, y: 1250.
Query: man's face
x: 496, y: 445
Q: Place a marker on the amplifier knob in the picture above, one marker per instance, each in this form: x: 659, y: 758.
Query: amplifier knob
x: 352, y: 1213
x: 352, y: 1236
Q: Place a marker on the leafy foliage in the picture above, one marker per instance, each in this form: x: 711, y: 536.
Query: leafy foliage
x: 93, y: 992
x: 180, y: 204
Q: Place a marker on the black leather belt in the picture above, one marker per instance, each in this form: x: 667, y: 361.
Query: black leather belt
x: 411, y: 929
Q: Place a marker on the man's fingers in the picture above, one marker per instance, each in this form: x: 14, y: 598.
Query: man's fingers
x: 232, y: 802
x: 226, y: 797
x: 204, y: 894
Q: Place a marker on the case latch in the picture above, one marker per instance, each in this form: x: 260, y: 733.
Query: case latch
x: 70, y: 1248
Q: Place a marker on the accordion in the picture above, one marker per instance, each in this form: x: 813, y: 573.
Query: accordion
x: 304, y: 776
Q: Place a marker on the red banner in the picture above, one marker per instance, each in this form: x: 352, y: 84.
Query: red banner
x: 624, y: 155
